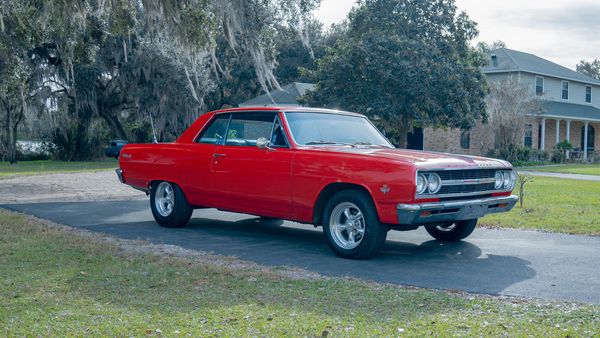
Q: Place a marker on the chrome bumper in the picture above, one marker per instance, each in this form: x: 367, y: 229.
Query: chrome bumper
x: 120, y: 175
x: 453, y: 210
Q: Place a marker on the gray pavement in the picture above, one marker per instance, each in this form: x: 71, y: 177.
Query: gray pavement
x: 506, y: 262
x: 579, y: 177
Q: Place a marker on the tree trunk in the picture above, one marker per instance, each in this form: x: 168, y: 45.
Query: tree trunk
x: 10, y: 145
x: 404, y: 127
x: 115, y: 125
x: 13, y: 145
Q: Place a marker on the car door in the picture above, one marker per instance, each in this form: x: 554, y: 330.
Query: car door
x: 198, y: 158
x: 245, y: 178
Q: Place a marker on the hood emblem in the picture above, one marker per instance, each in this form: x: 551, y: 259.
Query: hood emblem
x: 385, y: 189
x: 485, y: 165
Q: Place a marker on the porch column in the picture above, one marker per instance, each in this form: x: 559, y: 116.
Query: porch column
x: 568, y: 138
x: 557, y: 132
x: 543, y: 136
x: 585, y: 140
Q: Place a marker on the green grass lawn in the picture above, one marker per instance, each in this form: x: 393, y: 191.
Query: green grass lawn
x: 27, y: 168
x: 558, y: 205
x: 586, y: 169
x: 59, y: 283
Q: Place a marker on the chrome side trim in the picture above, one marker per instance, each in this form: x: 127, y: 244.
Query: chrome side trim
x: 467, y: 182
x: 464, y: 168
x: 460, y: 194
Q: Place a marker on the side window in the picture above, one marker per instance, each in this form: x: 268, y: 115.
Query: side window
x: 278, y: 139
x: 215, y: 133
x: 246, y: 128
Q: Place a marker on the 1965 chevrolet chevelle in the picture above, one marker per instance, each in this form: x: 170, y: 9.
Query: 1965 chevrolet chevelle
x: 328, y: 168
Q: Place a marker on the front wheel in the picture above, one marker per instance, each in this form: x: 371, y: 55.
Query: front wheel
x: 351, y: 225
x: 452, y: 232
x: 169, y: 206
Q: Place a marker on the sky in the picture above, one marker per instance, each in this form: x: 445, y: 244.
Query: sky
x: 561, y: 31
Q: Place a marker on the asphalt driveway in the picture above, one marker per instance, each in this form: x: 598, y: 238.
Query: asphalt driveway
x: 507, y: 262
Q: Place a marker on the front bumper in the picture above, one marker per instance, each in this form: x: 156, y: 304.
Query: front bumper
x: 434, y: 212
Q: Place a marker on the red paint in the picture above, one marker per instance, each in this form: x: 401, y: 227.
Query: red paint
x: 282, y: 183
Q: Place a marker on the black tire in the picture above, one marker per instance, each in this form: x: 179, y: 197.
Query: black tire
x: 374, y: 233
x: 452, y: 232
x: 180, y: 212
x: 265, y: 218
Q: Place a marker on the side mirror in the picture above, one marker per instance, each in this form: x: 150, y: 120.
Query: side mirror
x: 262, y: 143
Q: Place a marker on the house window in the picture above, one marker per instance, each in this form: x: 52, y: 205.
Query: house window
x: 565, y: 90
x: 588, y: 94
x: 591, y: 137
x: 539, y: 86
x: 528, y: 135
x: 465, y: 139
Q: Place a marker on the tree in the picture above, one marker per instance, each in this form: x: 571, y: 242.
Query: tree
x: 589, y: 68
x: 18, y: 33
x: 407, y: 62
x: 486, y: 48
x: 508, y: 104
x: 109, y: 65
x: 297, y: 53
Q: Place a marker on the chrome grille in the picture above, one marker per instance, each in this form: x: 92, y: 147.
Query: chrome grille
x: 463, y: 182
x: 467, y: 174
x: 465, y: 188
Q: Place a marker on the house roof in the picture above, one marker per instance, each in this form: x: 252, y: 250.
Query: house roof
x: 509, y: 60
x: 570, y: 111
x: 286, y: 96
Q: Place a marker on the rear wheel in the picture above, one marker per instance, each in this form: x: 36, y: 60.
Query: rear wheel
x: 452, y: 232
x: 351, y: 225
x: 169, y: 206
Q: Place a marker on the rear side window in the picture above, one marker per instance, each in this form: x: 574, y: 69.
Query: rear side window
x: 215, y: 133
x: 246, y: 128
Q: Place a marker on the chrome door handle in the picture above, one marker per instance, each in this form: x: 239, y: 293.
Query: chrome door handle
x: 219, y: 155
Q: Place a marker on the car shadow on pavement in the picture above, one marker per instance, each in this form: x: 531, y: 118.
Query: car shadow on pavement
x: 406, y: 259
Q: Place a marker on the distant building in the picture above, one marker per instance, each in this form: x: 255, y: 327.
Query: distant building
x: 570, y: 101
x: 286, y: 96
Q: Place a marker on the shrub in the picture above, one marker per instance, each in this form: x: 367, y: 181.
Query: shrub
x: 519, y: 155
x: 34, y: 151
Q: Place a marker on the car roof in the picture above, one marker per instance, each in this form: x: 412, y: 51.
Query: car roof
x: 286, y: 110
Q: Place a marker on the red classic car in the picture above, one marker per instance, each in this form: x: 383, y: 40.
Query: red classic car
x: 328, y: 168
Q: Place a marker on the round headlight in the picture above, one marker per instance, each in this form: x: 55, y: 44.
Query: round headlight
x: 513, y: 179
x: 507, y: 181
x: 498, y: 179
x: 435, y: 183
x: 421, y: 183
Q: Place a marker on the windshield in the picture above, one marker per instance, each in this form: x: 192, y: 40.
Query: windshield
x: 334, y: 129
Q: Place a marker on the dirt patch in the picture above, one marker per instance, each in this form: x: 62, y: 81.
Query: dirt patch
x: 87, y: 186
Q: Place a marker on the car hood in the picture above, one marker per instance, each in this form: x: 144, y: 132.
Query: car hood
x: 422, y: 159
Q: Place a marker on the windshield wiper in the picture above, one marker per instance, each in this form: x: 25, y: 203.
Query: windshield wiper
x: 368, y: 144
x: 355, y: 144
x: 312, y: 143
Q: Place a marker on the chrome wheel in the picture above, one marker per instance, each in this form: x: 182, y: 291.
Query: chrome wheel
x: 164, y: 200
x: 447, y: 227
x: 347, y: 225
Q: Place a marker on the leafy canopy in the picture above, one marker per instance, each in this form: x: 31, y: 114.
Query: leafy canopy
x: 407, y: 62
